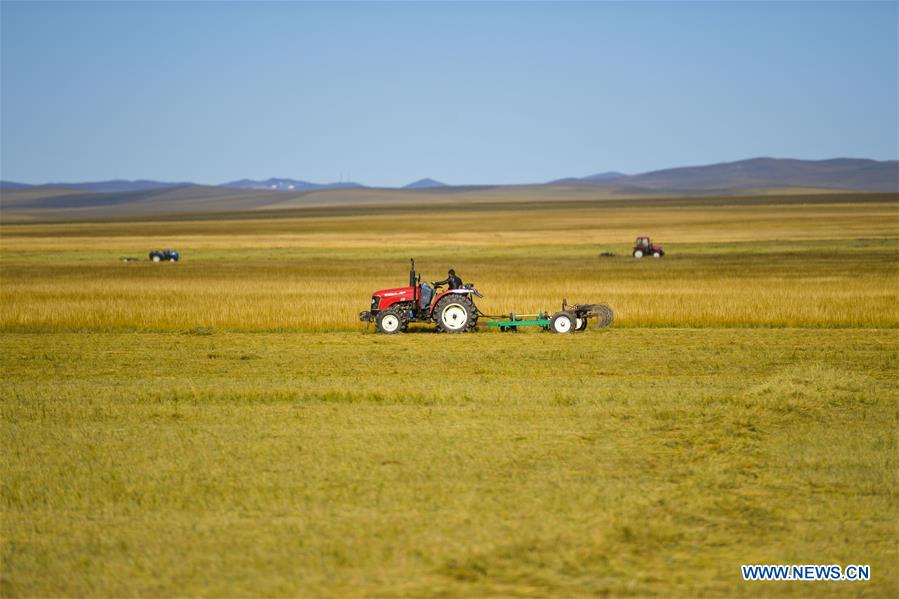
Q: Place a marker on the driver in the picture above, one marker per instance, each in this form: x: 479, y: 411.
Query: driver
x: 452, y: 281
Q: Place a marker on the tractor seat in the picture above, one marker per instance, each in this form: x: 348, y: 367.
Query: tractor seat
x: 427, y: 294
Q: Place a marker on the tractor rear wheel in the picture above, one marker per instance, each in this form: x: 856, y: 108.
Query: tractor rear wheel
x: 638, y: 253
x: 455, y: 314
x: 390, y: 321
x: 156, y: 258
x: 562, y: 322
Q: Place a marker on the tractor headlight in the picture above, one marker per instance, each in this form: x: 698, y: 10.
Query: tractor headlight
x: 375, y: 301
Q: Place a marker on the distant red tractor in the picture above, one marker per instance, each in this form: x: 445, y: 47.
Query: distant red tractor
x: 644, y: 247
x: 393, y: 309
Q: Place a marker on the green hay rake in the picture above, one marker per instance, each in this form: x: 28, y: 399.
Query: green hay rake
x: 571, y: 318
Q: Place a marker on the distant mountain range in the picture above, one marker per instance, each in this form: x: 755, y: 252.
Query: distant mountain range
x: 288, y: 185
x: 143, y: 185
x: 115, y: 185
x: 757, y: 173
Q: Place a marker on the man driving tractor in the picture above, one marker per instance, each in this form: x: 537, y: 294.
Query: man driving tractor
x: 452, y: 281
x: 453, y: 310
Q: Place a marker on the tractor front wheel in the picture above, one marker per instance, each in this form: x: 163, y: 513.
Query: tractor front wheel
x: 656, y: 255
x: 390, y: 321
x: 580, y: 324
x: 455, y: 314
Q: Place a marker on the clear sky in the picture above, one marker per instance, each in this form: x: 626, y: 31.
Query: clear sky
x: 385, y: 93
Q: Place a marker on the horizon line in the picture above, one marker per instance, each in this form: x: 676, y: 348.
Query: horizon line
x: 442, y: 183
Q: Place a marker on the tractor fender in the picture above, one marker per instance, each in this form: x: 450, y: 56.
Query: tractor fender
x: 451, y: 292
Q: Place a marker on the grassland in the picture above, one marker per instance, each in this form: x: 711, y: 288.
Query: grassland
x: 626, y: 462
x: 732, y: 262
x: 222, y: 426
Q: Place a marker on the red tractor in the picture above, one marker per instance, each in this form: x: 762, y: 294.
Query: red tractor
x: 644, y: 247
x: 393, y: 309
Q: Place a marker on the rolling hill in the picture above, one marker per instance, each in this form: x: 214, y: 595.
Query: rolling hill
x: 13, y: 186
x: 760, y: 173
x: 22, y: 202
x: 425, y: 183
x: 112, y: 186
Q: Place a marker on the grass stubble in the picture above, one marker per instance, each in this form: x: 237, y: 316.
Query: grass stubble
x: 221, y: 427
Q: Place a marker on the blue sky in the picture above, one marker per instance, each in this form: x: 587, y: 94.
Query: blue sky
x: 385, y: 93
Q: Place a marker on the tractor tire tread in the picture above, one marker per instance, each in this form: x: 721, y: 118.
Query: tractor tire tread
x: 457, y: 299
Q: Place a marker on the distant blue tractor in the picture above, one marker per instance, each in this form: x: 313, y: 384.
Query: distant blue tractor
x: 164, y: 256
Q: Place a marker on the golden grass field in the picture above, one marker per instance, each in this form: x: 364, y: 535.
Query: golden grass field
x: 226, y: 426
x: 741, y: 263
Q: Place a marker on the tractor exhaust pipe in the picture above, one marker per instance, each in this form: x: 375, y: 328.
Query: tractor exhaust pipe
x: 413, y: 283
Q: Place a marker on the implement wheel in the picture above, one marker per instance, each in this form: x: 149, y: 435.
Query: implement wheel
x: 562, y: 322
